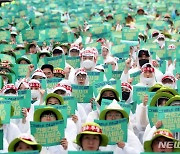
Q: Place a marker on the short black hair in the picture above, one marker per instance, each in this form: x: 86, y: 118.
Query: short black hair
x: 47, y: 66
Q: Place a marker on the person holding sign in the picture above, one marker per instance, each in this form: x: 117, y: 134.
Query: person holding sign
x: 115, y: 112
x: 81, y: 77
x: 22, y: 84
x: 59, y: 73
x: 89, y: 58
x: 74, y: 50
x: 11, y: 91
x: 107, y: 92
x: 50, y: 114
x: 91, y: 137
x: 25, y: 142
x: 162, y: 141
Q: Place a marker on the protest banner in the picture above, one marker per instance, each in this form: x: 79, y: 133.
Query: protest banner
x: 116, y: 130
x: 5, y: 111
x: 83, y: 94
x: 48, y: 133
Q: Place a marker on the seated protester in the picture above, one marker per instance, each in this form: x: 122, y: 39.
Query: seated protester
x: 25, y: 142
x: 36, y: 92
x: 159, y: 141
x: 59, y: 73
x: 158, y: 100
x: 57, y: 51
x: 74, y: 50
x: 23, y: 60
x: 6, y: 77
x: 22, y: 84
x: 169, y: 80
x: 37, y: 74
x: 107, y: 92
x: 11, y: 90
x: 147, y: 76
x: 63, y: 88
x: 89, y: 58
x: 49, y: 114
x: 114, y: 112
x: 48, y: 70
x: 43, y: 53
x: 74, y: 121
x: 32, y: 48
x: 65, y: 47
x: 81, y: 77
x: 112, y: 61
x: 91, y: 137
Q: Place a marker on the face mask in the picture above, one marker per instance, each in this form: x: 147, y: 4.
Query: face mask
x: 125, y: 95
x: 88, y: 64
x: 148, y: 81
x: 143, y: 61
x: 161, y: 43
x: 10, y: 94
x: 35, y: 94
x: 169, y: 85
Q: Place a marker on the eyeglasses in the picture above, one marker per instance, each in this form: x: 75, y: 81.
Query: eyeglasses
x: 161, y: 101
x: 48, y: 115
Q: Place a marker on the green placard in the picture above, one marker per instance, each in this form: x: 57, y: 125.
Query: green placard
x: 121, y: 48
x: 30, y: 35
x: 5, y: 112
x: 152, y: 115
x: 48, y: 133
x: 27, y: 97
x: 24, y: 152
x: 73, y: 61
x: 1, y: 139
x: 19, y: 53
x: 116, y: 130
x: 22, y: 25
x: 139, y: 92
x: 3, y: 23
x: 32, y: 58
x: 83, y: 94
x: 130, y: 34
x: 121, y: 64
x: 53, y: 33
x: 90, y: 152
x: 160, y: 25
x: 9, y: 58
x: 116, y: 74
x: 136, y: 77
x: 95, y: 77
x: 170, y: 117
x: 17, y: 103
x: 52, y: 82
x: 71, y: 103
x: 5, y: 35
x: 58, y: 61
x: 21, y: 70
x: 114, y: 83
x: 108, y: 71
x: 37, y: 22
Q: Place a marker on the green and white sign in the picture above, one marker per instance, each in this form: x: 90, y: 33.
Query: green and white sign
x: 5, y: 111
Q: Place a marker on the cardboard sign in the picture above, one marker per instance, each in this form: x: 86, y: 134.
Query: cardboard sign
x: 116, y: 130
x: 83, y: 94
x: 48, y: 133
x: 152, y: 115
